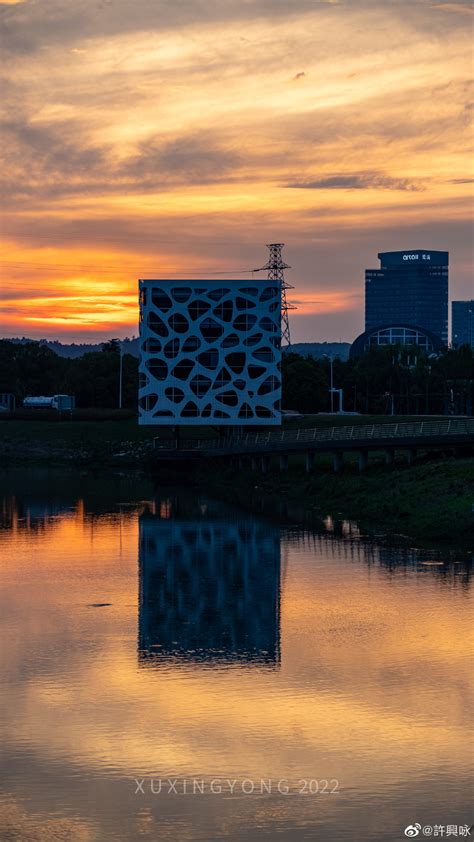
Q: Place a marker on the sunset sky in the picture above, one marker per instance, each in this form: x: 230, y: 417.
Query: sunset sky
x: 156, y: 138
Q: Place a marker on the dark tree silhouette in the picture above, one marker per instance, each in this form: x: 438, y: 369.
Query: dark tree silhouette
x: 391, y: 379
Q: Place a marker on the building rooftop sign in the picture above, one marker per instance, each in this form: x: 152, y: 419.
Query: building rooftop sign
x: 414, y: 257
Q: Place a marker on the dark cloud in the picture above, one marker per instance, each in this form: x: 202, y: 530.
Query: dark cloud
x: 28, y: 27
x: 54, y: 160
x: 334, y: 127
x: 51, y: 146
x: 48, y: 160
x: 193, y: 159
x: 358, y: 181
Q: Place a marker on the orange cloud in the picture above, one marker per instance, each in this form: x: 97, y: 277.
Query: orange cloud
x: 130, y: 155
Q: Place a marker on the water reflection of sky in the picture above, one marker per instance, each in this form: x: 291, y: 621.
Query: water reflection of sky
x: 262, y: 652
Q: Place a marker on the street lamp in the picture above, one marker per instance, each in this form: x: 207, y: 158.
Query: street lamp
x: 331, y: 389
x: 120, y: 375
x: 331, y: 363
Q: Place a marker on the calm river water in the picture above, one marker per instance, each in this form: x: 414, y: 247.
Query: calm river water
x: 175, y: 668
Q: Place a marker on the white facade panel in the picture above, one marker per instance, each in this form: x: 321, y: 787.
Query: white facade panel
x: 210, y: 352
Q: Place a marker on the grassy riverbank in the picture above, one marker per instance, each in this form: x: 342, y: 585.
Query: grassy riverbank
x: 79, y: 442
x: 110, y: 438
x: 427, y: 502
x: 430, y: 501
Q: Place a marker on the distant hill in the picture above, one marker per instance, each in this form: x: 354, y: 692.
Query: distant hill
x: 131, y: 346
x: 321, y: 349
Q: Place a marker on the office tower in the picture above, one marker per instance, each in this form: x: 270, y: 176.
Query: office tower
x: 411, y: 290
x: 462, y: 332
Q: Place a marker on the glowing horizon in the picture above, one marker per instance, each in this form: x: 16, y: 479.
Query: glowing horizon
x: 160, y: 142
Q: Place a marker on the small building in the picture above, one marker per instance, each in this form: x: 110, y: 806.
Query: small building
x: 398, y: 334
x: 462, y: 323
x: 210, y: 352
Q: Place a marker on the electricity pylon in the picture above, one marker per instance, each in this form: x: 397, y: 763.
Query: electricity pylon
x: 275, y: 267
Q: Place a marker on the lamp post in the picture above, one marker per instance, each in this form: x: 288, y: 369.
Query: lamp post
x: 120, y: 376
x: 331, y: 389
x: 331, y: 362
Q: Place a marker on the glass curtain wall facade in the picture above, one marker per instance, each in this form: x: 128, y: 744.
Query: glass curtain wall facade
x: 463, y: 323
x: 410, y: 288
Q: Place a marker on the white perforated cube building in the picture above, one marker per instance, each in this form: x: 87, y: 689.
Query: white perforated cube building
x: 210, y: 352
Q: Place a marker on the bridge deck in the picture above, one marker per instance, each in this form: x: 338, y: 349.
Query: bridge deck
x: 354, y: 437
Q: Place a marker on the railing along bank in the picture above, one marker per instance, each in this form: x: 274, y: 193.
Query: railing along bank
x: 355, y: 432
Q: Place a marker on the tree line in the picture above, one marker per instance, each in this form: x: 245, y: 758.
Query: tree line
x: 386, y: 380
x: 390, y: 380
x: 33, y: 369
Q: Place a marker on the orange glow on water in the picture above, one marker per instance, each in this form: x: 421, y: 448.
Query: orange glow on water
x: 402, y: 645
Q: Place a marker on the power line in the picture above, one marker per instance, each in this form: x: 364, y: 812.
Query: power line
x: 110, y: 268
x: 149, y: 241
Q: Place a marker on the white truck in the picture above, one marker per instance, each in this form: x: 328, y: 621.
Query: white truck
x: 59, y: 402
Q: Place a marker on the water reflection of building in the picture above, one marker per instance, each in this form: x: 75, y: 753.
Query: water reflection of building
x: 209, y: 585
